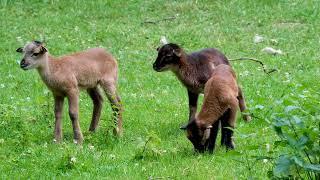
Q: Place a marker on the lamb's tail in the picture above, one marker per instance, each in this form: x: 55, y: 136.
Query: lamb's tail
x: 255, y: 60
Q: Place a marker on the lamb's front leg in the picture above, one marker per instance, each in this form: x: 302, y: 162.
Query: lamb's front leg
x: 228, y: 126
x: 213, y: 136
x: 58, y: 107
x: 193, y: 102
x: 73, y: 98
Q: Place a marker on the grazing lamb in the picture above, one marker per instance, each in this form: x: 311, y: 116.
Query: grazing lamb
x: 66, y: 75
x: 193, y: 70
x: 220, y: 104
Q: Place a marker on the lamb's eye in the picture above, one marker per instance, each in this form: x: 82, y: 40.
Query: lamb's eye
x: 35, y: 54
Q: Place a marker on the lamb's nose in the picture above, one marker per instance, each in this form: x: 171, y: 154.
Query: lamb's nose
x: 23, y: 63
x: 154, y: 66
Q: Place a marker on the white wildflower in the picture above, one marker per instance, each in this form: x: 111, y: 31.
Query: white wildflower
x: 270, y: 50
x: 268, y: 147
x: 91, y: 147
x: 258, y: 39
x: 112, y: 156
x: 19, y: 39
x: 73, y: 159
x: 274, y: 41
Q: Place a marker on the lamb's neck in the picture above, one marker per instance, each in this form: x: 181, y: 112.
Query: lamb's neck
x: 186, y: 73
x: 45, y: 68
x: 182, y: 68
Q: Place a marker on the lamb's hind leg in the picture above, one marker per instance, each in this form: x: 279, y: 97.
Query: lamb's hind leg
x: 223, y: 119
x: 228, y: 125
x: 110, y: 89
x: 73, y: 98
x: 242, y: 105
x: 97, y: 106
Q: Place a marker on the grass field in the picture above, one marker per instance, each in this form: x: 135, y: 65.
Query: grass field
x: 155, y: 103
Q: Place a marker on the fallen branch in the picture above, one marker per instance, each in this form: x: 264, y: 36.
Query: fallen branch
x: 255, y: 60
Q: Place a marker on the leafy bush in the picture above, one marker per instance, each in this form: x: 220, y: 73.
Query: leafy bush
x: 298, y: 131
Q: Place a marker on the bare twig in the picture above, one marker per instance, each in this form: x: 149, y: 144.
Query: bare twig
x: 145, y: 145
x: 255, y: 60
x: 166, y: 177
x: 159, y: 20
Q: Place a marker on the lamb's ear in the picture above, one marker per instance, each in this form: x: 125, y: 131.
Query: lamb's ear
x: 158, y: 48
x: 43, y: 49
x: 19, y: 50
x: 206, y: 135
x: 163, y: 40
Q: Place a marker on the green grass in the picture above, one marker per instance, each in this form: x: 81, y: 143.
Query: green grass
x: 155, y: 103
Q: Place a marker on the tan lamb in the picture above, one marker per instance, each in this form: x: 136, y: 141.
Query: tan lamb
x: 220, y: 104
x: 67, y: 75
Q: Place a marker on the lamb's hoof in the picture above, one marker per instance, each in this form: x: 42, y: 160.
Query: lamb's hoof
x: 92, y: 130
x: 57, y: 141
x: 230, y: 146
x: 117, y: 132
x: 247, y: 117
x: 78, y: 139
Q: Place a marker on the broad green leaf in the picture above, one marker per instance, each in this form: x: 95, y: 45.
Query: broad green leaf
x: 297, y: 121
x: 312, y: 167
x: 281, y: 122
x: 302, y: 141
x: 298, y: 161
x: 283, y: 166
x: 292, y: 141
x: 278, y: 131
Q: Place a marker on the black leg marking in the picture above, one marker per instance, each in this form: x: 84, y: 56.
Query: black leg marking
x: 213, y: 136
x: 193, y: 101
x: 224, y: 118
x: 229, y: 142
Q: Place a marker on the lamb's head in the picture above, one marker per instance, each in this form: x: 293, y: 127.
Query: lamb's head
x: 168, y: 57
x: 33, y: 54
x: 198, y: 134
